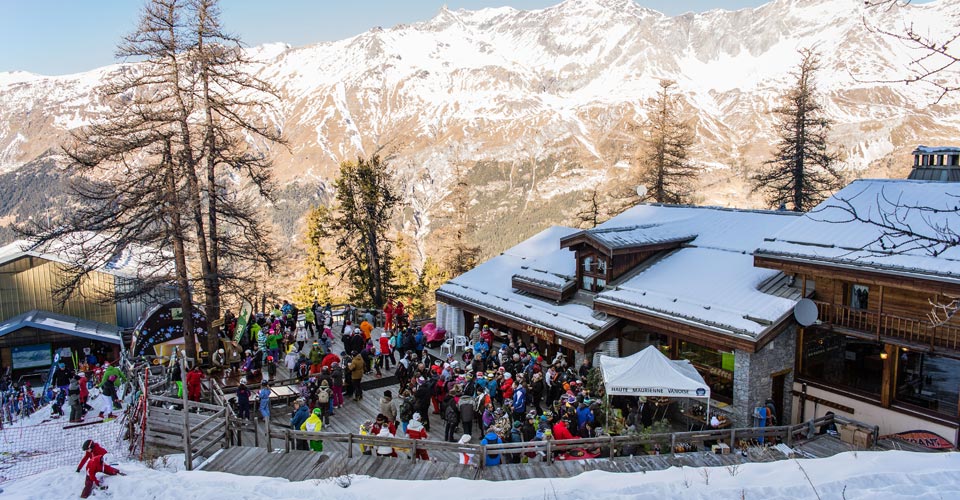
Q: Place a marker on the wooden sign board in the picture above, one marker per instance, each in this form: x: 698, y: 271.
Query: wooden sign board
x: 539, y: 332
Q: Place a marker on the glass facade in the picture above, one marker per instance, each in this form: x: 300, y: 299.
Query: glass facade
x: 715, y: 366
x: 928, y: 381
x: 842, y: 361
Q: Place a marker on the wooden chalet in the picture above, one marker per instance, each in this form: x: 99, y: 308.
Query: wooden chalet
x: 881, y: 350
x: 678, y: 277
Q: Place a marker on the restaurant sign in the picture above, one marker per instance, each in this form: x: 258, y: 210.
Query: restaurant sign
x: 539, y: 332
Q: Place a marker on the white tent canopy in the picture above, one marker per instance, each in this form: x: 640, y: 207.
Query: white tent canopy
x: 650, y: 373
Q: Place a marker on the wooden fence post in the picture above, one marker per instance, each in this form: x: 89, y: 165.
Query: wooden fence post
x: 286, y: 441
x: 187, y: 451
x: 550, y: 451
x: 350, y: 445
x: 267, y: 443
x: 673, y: 444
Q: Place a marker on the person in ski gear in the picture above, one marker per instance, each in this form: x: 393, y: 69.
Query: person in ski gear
x: 314, y: 424
x: 265, y: 400
x: 93, y: 458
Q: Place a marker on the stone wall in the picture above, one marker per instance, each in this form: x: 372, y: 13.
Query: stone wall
x: 752, y: 377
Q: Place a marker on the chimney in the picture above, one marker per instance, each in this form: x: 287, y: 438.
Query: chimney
x: 936, y: 163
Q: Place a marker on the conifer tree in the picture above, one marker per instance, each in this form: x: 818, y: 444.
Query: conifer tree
x: 406, y: 279
x: 462, y: 253
x: 432, y: 276
x: 314, y: 285
x: 803, y: 172
x: 665, y: 167
x: 366, y: 200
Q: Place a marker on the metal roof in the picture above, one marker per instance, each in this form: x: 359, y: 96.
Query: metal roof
x: 62, y: 323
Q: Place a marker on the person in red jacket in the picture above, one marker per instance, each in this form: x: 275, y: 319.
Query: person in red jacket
x: 193, y: 384
x: 388, y: 315
x: 415, y: 430
x: 93, y: 457
x: 84, y: 392
x: 560, y: 431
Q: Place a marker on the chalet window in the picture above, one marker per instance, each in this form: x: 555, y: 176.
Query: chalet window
x: 928, y: 381
x: 858, y: 297
x: 588, y: 283
x: 841, y: 361
x: 594, y: 274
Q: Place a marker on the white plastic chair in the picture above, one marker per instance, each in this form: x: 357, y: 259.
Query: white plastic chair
x: 459, y: 343
x: 446, y: 346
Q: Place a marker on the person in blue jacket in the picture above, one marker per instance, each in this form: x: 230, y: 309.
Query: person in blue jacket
x: 265, y: 400
x: 519, y: 402
x: 297, y: 419
x: 584, y: 416
x: 491, y: 438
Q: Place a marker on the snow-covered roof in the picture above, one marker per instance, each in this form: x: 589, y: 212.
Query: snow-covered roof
x: 859, y: 226
x: 710, y: 281
x: 712, y: 288
x: 489, y: 286
x: 613, y: 238
x: 132, y: 262
x: 61, y: 323
x: 932, y: 150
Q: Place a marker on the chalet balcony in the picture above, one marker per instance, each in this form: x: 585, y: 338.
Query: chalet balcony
x: 913, y: 332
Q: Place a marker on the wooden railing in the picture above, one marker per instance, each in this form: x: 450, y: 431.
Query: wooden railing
x: 913, y: 330
x: 735, y: 438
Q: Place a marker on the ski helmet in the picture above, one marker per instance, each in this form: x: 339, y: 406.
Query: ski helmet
x: 87, y: 445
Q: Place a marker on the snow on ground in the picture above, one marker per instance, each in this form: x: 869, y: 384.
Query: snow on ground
x: 864, y: 475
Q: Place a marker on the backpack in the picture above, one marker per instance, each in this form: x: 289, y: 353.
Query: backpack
x: 406, y: 410
x: 323, y: 396
x: 401, y: 371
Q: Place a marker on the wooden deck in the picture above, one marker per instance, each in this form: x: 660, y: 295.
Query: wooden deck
x: 302, y: 465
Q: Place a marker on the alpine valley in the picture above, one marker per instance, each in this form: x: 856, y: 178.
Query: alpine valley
x: 537, y: 106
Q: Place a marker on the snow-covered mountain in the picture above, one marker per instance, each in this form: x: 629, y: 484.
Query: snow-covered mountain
x: 539, y: 104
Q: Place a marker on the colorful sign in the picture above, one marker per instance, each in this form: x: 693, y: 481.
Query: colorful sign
x: 926, y: 439
x: 245, y: 310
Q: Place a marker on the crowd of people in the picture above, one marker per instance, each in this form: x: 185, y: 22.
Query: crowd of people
x: 498, y: 390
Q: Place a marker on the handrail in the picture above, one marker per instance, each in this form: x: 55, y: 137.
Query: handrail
x: 786, y: 433
x: 917, y: 330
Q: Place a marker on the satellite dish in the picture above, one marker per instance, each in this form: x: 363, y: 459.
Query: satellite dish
x: 641, y: 191
x: 805, y: 312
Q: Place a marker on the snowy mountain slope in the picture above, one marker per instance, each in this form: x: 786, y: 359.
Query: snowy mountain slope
x: 562, y: 86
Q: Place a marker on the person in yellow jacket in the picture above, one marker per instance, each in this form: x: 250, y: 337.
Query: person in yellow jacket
x: 365, y: 428
x: 314, y: 424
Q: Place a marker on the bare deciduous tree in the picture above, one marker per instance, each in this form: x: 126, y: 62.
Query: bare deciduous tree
x: 938, y: 57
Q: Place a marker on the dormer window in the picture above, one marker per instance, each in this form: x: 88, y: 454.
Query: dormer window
x: 593, y: 275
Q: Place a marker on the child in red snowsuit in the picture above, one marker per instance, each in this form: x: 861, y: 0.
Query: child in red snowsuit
x: 93, y: 456
x: 193, y: 384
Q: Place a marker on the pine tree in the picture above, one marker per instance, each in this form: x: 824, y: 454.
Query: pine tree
x: 665, y: 168
x: 406, y: 278
x: 462, y: 253
x: 802, y: 172
x: 432, y: 276
x: 366, y: 200
x: 314, y: 285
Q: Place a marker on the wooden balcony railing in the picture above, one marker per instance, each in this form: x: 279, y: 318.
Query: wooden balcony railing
x: 913, y: 330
